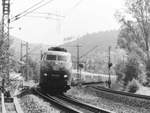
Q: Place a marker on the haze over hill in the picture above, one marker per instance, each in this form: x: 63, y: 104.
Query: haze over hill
x: 88, y: 41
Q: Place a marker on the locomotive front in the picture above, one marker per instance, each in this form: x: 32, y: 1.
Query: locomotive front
x: 55, y: 76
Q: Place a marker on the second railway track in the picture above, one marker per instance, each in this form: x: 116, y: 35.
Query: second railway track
x: 99, y: 88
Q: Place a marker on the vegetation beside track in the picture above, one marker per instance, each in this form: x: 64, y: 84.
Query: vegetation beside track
x: 31, y: 103
x: 91, y: 97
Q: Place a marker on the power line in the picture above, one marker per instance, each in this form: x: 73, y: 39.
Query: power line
x: 52, y: 14
x: 27, y: 9
x: 32, y: 16
x: 28, y: 12
x: 76, y: 5
x: 89, y: 51
x: 33, y: 8
x: 38, y: 7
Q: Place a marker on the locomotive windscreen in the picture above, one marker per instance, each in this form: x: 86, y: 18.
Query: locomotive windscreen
x: 51, y: 57
x: 56, y: 57
x: 62, y: 58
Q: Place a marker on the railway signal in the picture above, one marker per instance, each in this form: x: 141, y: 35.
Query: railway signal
x: 109, y: 66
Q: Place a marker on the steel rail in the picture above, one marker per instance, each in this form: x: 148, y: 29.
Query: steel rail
x: 3, y: 103
x: 120, y: 92
x: 89, y: 107
x: 17, y: 106
x: 57, y: 103
x: 15, y: 102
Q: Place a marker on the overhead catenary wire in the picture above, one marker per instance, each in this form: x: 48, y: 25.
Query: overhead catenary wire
x: 75, y: 6
x: 38, y: 7
x: 89, y: 51
x: 49, y: 14
x: 33, y: 8
x: 30, y: 11
x: 46, y: 17
x: 27, y: 9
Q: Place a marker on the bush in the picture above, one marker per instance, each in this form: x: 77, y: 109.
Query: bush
x: 132, y: 86
x: 131, y: 70
x: 119, y: 69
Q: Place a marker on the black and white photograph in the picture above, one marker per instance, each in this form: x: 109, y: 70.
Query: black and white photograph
x: 75, y: 56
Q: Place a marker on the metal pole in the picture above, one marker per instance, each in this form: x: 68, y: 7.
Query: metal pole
x: 78, y: 61
x: 21, y: 71
x: 109, y: 65
x: 27, y: 61
x: 5, y: 40
x: 8, y: 68
x: 21, y: 52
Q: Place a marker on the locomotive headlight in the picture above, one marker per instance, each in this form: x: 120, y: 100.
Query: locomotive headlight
x: 65, y: 76
x: 45, y: 74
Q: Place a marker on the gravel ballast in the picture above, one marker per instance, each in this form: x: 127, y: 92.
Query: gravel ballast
x: 33, y: 104
x: 89, y: 96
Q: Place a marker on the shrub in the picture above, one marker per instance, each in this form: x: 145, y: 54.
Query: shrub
x: 119, y: 69
x: 132, y: 86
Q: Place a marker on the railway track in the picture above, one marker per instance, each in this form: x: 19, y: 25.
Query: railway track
x: 99, y: 88
x: 80, y: 104
x: 70, y: 105
x: 134, y: 100
x: 10, y: 105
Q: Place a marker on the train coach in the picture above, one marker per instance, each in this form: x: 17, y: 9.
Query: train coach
x: 92, y: 77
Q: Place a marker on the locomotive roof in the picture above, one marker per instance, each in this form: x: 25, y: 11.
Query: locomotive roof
x: 57, y: 49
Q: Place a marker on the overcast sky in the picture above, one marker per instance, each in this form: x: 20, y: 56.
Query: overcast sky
x: 78, y: 17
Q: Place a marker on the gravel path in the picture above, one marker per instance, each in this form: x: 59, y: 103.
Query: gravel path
x: 91, y: 97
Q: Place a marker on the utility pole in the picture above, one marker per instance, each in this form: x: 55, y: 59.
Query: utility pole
x: 26, y: 45
x: 21, y: 57
x: 21, y: 51
x: 78, y: 59
x: 27, y: 60
x: 109, y: 66
x: 4, y: 42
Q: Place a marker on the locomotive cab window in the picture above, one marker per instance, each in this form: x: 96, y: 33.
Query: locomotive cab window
x: 51, y: 57
x: 62, y: 58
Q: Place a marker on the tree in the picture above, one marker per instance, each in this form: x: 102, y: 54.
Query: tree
x: 119, y: 69
x: 134, y: 34
x: 127, y: 71
x: 135, y: 30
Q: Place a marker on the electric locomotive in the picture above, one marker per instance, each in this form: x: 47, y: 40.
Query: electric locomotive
x: 55, y: 70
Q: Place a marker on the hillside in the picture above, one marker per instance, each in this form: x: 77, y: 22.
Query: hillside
x: 89, y: 42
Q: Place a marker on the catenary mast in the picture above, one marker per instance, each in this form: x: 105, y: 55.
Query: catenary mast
x: 4, y: 41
